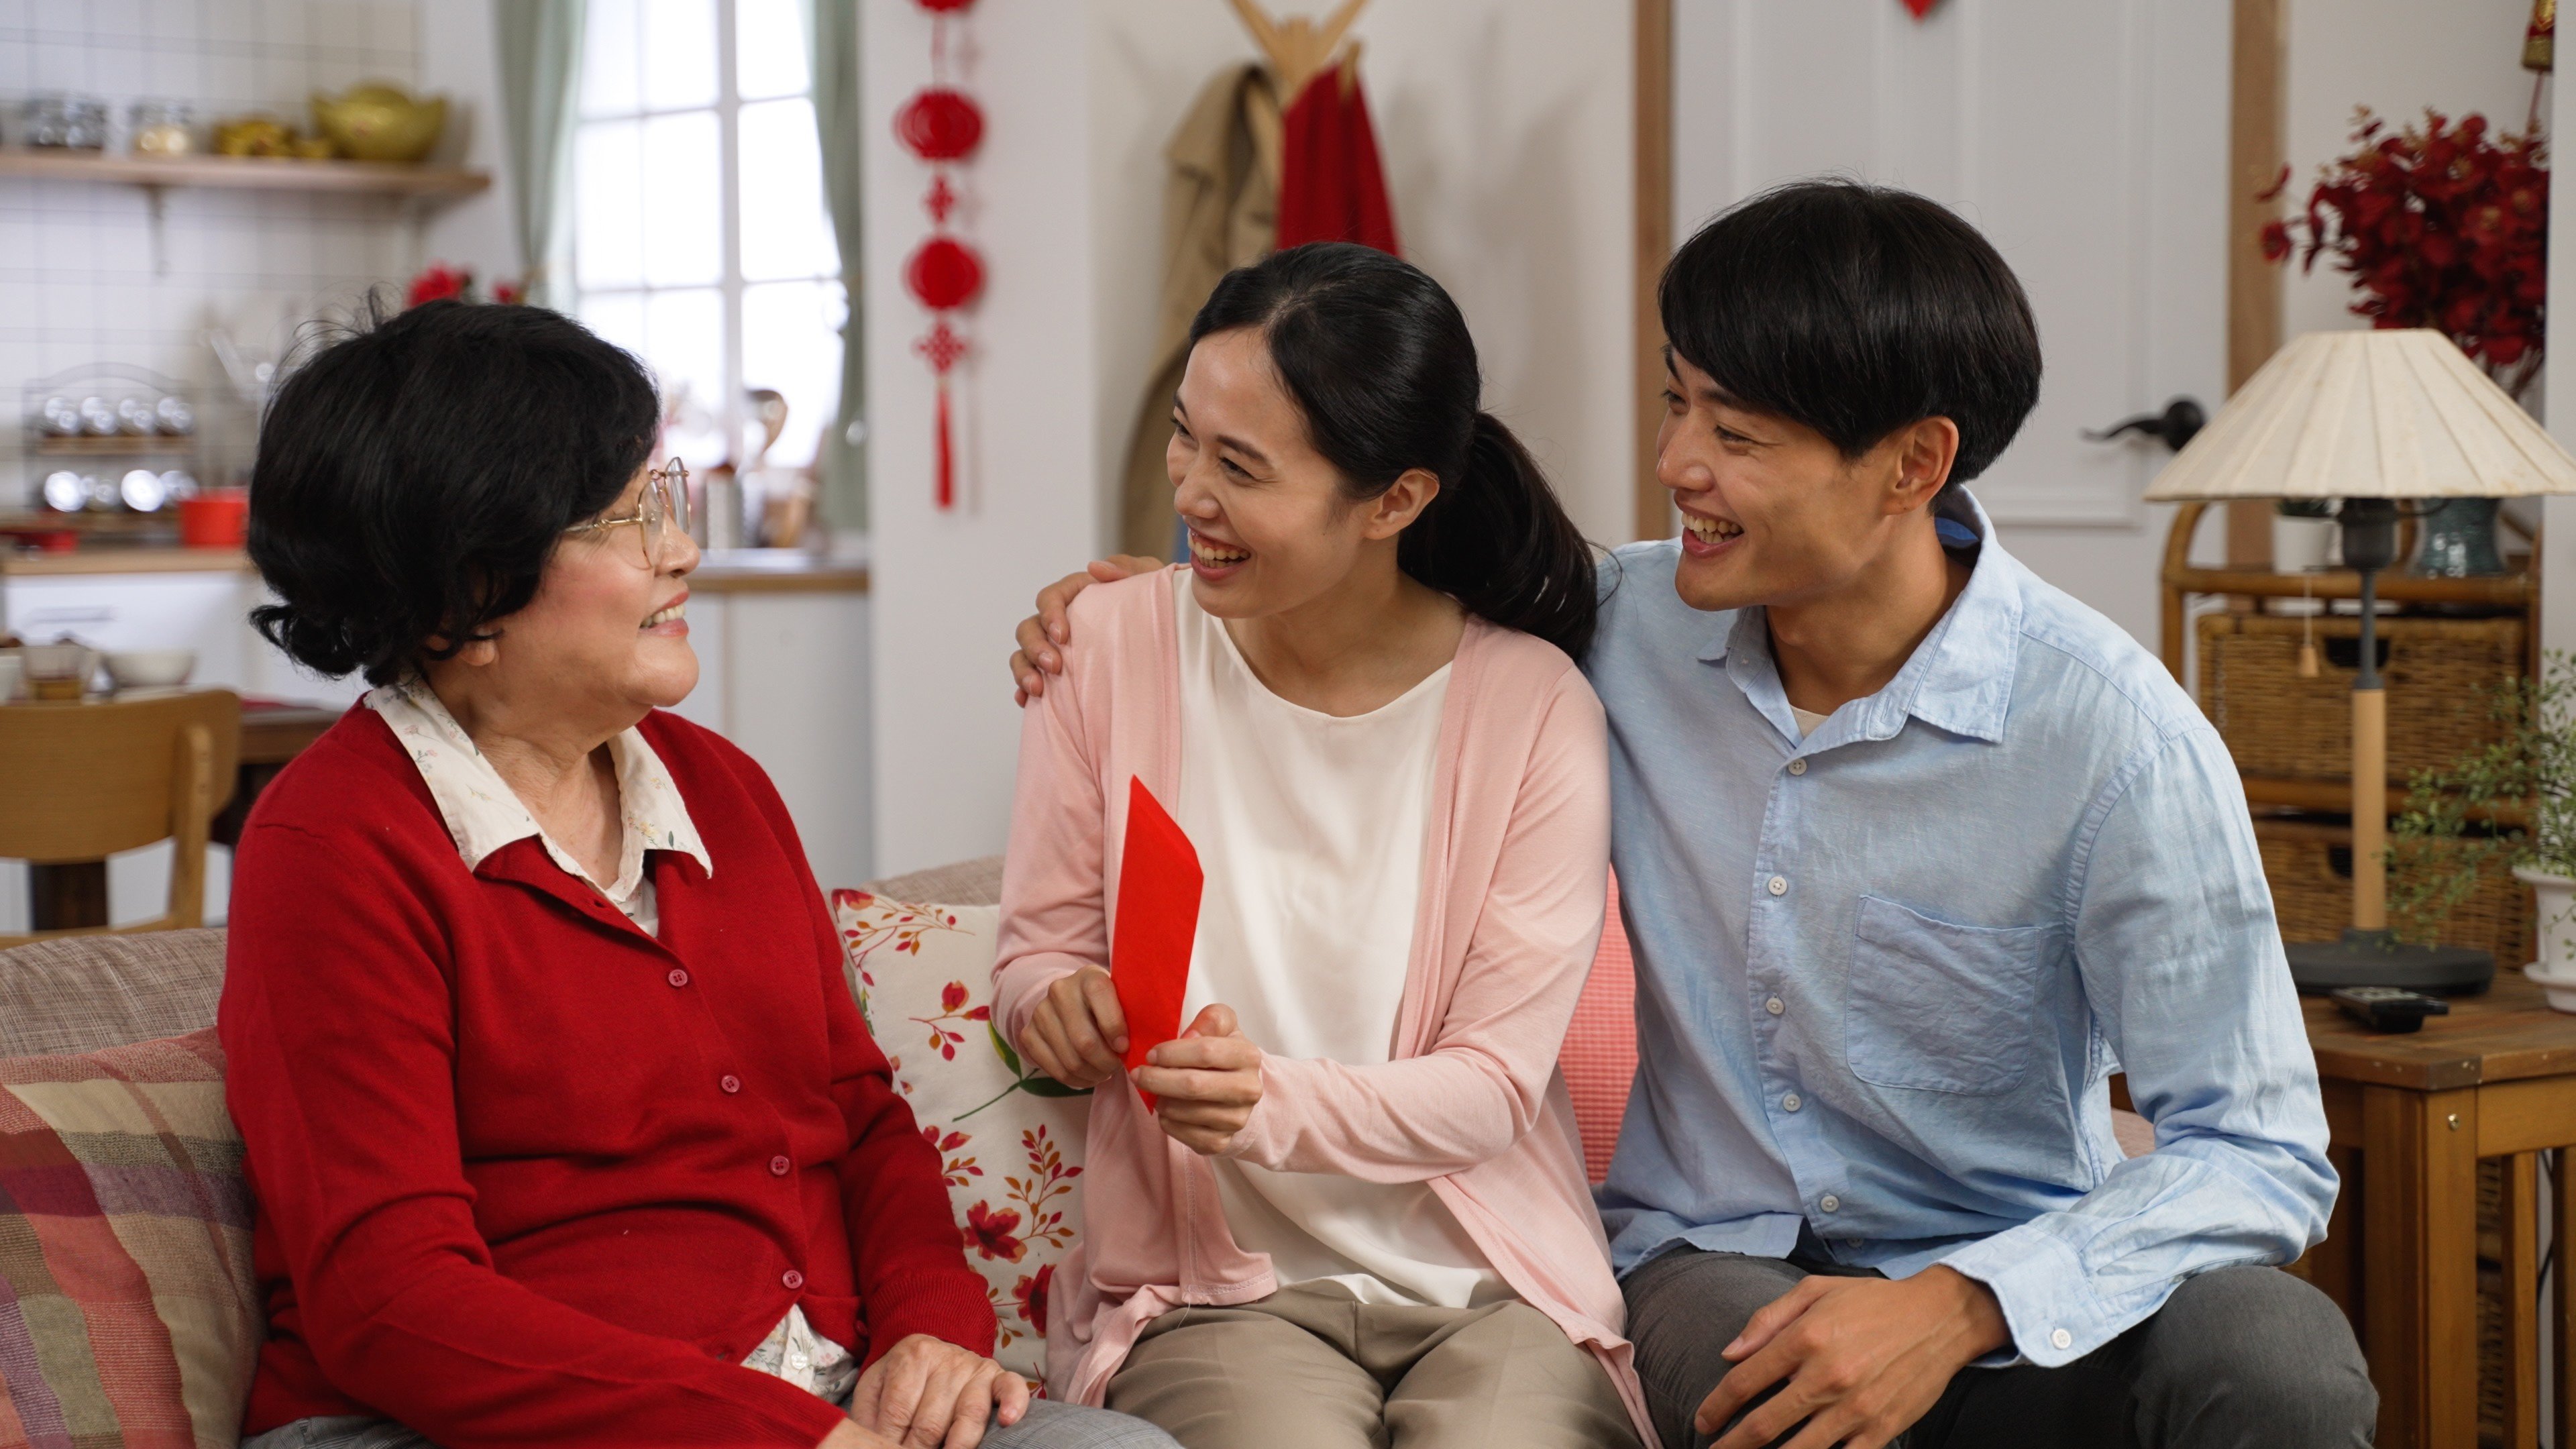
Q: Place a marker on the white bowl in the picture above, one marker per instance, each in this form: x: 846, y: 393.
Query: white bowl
x: 150, y: 668
x: 2559, y: 986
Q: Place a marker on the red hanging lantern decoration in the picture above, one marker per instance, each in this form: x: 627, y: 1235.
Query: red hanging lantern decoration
x: 942, y: 125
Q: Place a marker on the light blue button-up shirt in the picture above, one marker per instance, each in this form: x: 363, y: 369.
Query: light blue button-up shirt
x: 1884, y: 971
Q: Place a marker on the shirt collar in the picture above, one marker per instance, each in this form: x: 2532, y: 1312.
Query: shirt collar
x: 483, y: 814
x: 1959, y: 678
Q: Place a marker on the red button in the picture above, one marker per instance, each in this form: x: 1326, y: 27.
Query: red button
x: 731, y: 1083
x: 778, y: 1166
x: 678, y: 977
x: 793, y: 1279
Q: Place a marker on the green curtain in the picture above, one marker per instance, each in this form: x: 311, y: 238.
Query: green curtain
x: 538, y: 45
x: 832, y: 41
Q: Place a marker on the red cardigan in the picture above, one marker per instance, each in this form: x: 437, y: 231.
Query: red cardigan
x: 526, y: 1175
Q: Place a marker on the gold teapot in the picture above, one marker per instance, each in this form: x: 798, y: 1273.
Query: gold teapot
x: 380, y: 122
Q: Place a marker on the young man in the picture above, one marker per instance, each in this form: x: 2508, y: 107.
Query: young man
x: 1914, y: 852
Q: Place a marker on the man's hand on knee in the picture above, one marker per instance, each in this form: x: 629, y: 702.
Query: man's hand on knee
x: 1857, y: 1360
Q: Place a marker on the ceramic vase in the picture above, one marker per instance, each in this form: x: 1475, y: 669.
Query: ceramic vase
x: 2460, y: 541
x: 2555, y: 971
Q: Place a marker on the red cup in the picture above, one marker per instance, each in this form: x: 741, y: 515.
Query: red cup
x: 216, y: 518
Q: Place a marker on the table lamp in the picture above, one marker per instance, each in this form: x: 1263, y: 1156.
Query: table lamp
x: 2371, y: 418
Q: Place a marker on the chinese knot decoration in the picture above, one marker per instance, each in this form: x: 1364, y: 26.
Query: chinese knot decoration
x: 942, y: 126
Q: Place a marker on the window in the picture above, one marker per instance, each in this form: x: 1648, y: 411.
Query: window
x: 700, y: 239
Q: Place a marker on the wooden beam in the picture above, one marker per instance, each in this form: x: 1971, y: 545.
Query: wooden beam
x: 1654, y: 246
x: 2256, y: 149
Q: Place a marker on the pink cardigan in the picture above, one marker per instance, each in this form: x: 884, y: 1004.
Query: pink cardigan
x: 1514, y: 869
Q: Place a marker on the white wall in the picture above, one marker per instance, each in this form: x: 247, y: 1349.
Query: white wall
x: 1505, y: 128
x: 457, y: 61
x: 949, y: 586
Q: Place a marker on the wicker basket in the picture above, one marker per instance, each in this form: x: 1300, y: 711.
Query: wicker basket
x: 2441, y: 676
x: 2309, y: 866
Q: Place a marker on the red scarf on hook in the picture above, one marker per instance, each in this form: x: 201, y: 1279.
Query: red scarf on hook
x: 1330, y: 186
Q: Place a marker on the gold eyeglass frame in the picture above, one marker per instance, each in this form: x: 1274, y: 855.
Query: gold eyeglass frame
x: 662, y: 511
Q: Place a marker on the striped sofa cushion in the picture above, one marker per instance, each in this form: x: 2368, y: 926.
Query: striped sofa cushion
x: 127, y: 1315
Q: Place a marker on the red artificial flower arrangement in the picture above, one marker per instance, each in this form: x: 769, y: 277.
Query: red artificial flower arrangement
x: 2443, y: 225
x: 438, y: 281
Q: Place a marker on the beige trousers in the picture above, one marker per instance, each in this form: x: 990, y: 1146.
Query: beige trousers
x: 1313, y: 1368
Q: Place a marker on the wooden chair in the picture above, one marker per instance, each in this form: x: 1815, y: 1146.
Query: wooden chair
x: 85, y: 781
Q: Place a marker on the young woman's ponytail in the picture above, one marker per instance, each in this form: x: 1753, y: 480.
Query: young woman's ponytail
x: 1499, y: 543
x: 1379, y: 360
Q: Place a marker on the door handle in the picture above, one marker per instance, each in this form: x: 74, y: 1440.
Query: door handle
x: 2181, y: 418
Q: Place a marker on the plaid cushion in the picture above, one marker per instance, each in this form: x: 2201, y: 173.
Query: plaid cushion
x: 127, y: 1313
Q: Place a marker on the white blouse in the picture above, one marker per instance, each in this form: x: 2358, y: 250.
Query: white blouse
x: 1310, y: 828
x: 483, y: 814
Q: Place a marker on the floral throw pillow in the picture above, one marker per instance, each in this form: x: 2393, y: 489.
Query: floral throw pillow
x: 1009, y: 1137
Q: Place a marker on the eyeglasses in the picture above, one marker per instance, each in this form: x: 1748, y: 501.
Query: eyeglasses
x: 661, y: 515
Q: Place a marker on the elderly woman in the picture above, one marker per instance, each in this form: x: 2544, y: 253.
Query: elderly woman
x: 563, y: 1126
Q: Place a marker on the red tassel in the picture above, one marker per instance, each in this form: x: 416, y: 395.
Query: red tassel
x: 947, y: 454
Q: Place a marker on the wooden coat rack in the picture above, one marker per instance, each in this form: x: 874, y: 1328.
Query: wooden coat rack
x: 1299, y: 49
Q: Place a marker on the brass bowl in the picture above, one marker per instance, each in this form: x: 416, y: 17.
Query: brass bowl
x: 380, y: 122
x: 253, y: 136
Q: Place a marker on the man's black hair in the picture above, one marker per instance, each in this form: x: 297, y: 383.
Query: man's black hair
x: 414, y: 475
x: 1856, y: 310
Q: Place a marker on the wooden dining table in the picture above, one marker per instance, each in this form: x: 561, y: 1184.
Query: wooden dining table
x: 74, y: 894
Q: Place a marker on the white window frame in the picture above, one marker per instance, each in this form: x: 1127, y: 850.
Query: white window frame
x: 732, y: 411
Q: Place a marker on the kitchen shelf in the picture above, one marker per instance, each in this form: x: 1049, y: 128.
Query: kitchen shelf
x: 117, y: 445
x: 253, y: 173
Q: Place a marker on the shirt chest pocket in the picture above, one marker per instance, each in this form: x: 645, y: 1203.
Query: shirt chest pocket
x: 1940, y: 1007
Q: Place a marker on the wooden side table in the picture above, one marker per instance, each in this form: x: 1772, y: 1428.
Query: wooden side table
x: 2496, y: 1078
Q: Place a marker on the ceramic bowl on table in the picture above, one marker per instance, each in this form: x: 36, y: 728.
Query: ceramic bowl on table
x: 134, y: 669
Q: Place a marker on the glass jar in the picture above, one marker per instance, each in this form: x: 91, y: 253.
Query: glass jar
x: 45, y: 121
x: 85, y: 124
x: 163, y: 128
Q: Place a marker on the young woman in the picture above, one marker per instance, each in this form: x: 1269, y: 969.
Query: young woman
x: 1357, y: 1214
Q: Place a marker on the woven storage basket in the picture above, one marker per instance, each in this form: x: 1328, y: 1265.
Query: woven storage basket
x: 2441, y: 676
x: 2309, y: 866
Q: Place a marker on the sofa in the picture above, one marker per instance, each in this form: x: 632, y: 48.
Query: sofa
x: 127, y: 1310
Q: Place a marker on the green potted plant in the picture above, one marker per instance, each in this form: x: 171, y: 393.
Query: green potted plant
x: 2514, y: 798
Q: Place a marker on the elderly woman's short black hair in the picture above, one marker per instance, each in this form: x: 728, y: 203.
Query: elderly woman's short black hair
x: 415, y: 473
x: 1856, y: 310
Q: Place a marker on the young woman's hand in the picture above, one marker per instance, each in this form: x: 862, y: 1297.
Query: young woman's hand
x: 1078, y: 1035
x: 1043, y: 632
x: 930, y: 1394
x: 1208, y: 1081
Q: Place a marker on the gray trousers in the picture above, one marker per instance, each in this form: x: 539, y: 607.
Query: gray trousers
x: 1047, y: 1425
x: 1311, y: 1367
x: 2237, y: 1358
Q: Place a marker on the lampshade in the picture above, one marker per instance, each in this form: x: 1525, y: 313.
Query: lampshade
x: 2368, y: 414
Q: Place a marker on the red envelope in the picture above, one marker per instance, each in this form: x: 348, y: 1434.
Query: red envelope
x: 1159, y: 882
